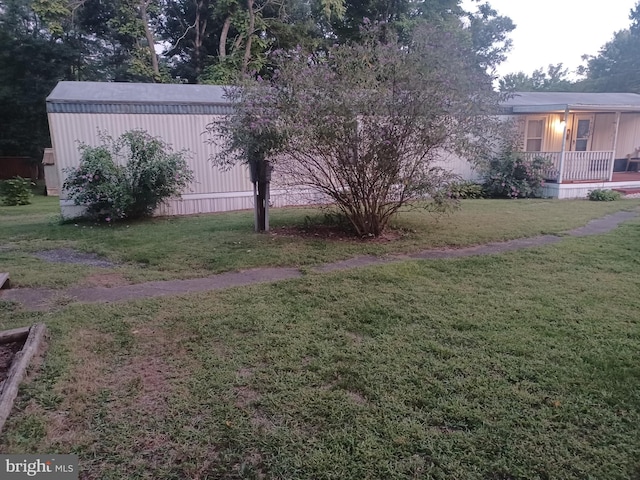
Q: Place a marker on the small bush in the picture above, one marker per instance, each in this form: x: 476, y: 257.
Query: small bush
x: 511, y: 175
x: 16, y: 191
x: 465, y: 190
x: 126, y: 178
x: 602, y: 195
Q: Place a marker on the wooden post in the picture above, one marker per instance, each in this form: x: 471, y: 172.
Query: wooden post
x: 266, y: 206
x: 564, y: 141
x: 256, y: 207
x: 615, y: 145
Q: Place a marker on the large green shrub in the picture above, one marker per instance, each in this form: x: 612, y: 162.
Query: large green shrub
x: 126, y: 178
x: 510, y: 174
x: 16, y: 191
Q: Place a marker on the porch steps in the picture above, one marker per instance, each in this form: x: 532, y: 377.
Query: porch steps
x: 627, y: 191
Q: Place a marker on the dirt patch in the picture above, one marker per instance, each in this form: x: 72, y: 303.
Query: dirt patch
x: 357, y: 338
x: 260, y: 421
x: 253, y: 458
x: 7, y: 353
x: 68, y: 255
x: 67, y: 426
x: 244, y: 372
x: 333, y: 232
x: 245, y: 396
x: 106, y: 280
x: 148, y: 376
x: 356, y: 398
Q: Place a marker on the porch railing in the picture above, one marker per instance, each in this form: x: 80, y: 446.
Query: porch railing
x: 578, y: 166
x: 552, y: 171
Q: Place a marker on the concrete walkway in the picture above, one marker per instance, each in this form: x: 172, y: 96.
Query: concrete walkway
x: 42, y: 299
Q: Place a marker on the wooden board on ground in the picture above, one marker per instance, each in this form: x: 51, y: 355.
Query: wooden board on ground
x: 9, y: 388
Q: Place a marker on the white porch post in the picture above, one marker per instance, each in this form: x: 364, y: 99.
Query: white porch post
x: 615, y: 145
x: 564, y: 142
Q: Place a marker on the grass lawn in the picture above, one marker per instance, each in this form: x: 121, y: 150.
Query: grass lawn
x: 515, y: 366
x: 196, y: 246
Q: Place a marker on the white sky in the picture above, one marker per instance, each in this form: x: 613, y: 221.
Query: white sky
x: 558, y: 31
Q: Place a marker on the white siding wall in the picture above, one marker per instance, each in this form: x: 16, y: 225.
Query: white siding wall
x: 553, y: 133
x: 458, y: 166
x: 215, y: 190
x: 604, y: 130
x: 628, y: 134
x: 212, y: 190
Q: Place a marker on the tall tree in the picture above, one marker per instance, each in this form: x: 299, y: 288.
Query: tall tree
x: 555, y: 79
x: 191, y: 28
x: 32, y: 60
x: 132, y: 27
x: 402, y: 14
x: 489, y: 34
x: 616, y: 68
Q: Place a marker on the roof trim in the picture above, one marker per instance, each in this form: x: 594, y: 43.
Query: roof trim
x: 558, y: 108
x: 139, y: 108
x: 538, y: 108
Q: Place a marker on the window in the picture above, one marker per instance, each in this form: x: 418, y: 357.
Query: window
x: 535, y: 130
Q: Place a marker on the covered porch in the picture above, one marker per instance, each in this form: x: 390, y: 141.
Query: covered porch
x: 589, y: 140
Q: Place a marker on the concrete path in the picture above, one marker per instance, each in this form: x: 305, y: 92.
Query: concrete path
x: 42, y: 299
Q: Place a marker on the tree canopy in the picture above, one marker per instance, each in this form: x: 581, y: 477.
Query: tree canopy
x: 616, y: 68
x: 193, y: 41
x: 555, y: 79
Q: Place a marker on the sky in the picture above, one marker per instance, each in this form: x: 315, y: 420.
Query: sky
x: 558, y: 31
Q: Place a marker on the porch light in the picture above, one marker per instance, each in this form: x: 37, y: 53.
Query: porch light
x: 560, y: 125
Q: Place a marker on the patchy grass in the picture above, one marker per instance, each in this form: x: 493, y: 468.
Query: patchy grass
x: 513, y: 366
x: 195, y: 246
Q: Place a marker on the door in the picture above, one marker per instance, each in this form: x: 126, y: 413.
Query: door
x: 582, y: 133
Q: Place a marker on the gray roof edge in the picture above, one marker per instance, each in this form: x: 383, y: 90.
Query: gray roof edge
x: 574, y: 100
x: 573, y: 107
x: 131, y: 102
x: 138, y: 93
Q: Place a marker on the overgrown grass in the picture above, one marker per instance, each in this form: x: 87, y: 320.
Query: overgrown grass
x: 181, y: 247
x: 514, y: 366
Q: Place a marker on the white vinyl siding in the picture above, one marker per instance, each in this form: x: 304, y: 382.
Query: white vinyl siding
x: 628, y: 135
x: 604, y: 130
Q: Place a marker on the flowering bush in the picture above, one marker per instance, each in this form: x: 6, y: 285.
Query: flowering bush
x: 126, y: 178
x: 511, y: 175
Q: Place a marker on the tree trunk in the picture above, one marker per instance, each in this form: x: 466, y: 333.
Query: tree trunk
x: 149, y: 36
x: 247, y: 47
x: 222, y: 48
x: 200, y: 35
